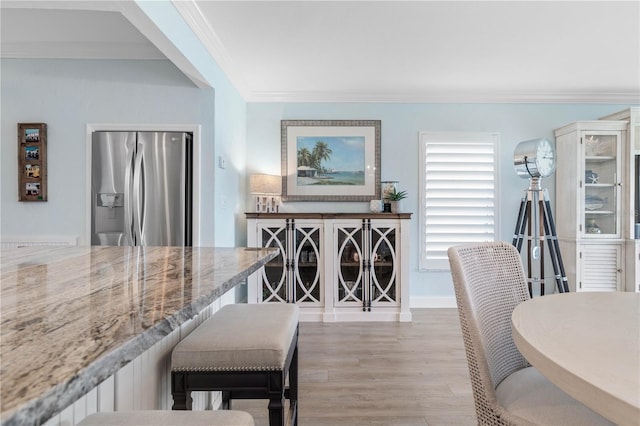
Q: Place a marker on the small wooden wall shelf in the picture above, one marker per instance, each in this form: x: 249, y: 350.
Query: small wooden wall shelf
x: 32, y: 162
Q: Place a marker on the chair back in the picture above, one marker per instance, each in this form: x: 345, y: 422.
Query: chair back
x: 489, y: 282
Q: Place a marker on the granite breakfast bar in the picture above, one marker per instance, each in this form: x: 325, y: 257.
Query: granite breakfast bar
x: 71, y: 317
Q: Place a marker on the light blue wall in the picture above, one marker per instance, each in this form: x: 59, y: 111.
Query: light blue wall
x: 401, y: 124
x: 68, y: 94
x: 226, y: 186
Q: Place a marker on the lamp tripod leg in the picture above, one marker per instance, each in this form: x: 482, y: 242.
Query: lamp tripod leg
x: 521, y: 223
x: 554, y: 248
x: 547, y: 230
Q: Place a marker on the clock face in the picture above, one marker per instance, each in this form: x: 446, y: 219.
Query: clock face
x: 545, y: 158
x: 534, y: 158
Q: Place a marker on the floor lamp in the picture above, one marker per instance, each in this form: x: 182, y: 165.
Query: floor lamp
x: 534, y: 160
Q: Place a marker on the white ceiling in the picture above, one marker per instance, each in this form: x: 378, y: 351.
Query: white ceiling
x: 396, y: 51
x: 96, y: 33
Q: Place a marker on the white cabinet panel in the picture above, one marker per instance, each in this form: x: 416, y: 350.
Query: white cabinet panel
x: 600, y: 267
x: 125, y: 390
x: 107, y: 395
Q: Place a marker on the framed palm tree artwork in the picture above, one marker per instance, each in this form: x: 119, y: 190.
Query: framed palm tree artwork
x: 330, y: 160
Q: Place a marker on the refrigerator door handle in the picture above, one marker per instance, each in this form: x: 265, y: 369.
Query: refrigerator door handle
x: 128, y: 198
x: 139, y: 197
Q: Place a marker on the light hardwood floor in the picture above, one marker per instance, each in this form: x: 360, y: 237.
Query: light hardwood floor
x: 378, y: 374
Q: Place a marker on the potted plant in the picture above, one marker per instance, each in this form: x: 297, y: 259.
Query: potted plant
x: 393, y: 197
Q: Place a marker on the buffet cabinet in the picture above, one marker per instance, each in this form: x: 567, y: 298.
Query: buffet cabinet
x: 335, y: 266
x: 590, y: 177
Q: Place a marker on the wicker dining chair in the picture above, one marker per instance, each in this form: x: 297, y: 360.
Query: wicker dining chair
x: 489, y: 283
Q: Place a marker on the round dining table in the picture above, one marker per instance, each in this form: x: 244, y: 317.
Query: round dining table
x: 587, y: 344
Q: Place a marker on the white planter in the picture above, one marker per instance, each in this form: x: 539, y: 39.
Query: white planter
x: 396, y: 206
x: 376, y: 206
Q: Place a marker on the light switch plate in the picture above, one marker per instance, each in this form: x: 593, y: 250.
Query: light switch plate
x: 222, y: 162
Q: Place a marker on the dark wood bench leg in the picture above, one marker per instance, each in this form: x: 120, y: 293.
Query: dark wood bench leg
x: 226, y: 400
x: 276, y: 412
x: 181, y: 395
x: 293, y: 386
x: 293, y: 376
x: 276, y: 398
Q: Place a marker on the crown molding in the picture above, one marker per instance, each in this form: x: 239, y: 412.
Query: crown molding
x: 595, y: 97
x: 199, y: 24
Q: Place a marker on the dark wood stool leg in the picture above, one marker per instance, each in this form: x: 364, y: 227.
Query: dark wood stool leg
x: 276, y: 398
x: 293, y: 386
x: 226, y: 400
x: 276, y: 412
x: 181, y: 395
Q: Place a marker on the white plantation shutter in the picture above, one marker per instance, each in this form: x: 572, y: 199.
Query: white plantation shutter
x: 459, y: 184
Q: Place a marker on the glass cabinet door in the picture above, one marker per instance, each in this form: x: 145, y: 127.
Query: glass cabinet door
x: 367, y: 259
x: 307, y: 264
x: 601, y: 185
x: 273, y: 276
x: 384, y: 271
x: 293, y: 275
x: 350, y: 277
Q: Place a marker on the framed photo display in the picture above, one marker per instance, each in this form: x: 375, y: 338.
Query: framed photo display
x: 330, y: 160
x: 32, y: 162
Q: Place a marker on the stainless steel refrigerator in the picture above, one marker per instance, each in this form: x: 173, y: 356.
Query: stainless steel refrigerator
x: 141, y: 188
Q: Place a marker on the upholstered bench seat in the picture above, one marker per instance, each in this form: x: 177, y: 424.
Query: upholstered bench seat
x: 247, y: 351
x: 239, y: 337
x: 169, y: 418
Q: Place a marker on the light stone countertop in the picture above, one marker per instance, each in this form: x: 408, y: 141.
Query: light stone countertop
x: 72, y: 316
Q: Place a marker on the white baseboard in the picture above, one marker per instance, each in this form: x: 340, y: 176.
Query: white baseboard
x: 433, y: 302
x: 16, y: 241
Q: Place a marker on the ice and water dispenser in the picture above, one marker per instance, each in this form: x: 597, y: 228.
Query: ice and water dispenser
x: 109, y: 219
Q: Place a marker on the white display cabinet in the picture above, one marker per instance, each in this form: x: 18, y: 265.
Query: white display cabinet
x: 335, y: 266
x: 590, y: 176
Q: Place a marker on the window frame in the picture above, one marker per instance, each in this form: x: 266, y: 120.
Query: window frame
x: 466, y: 137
